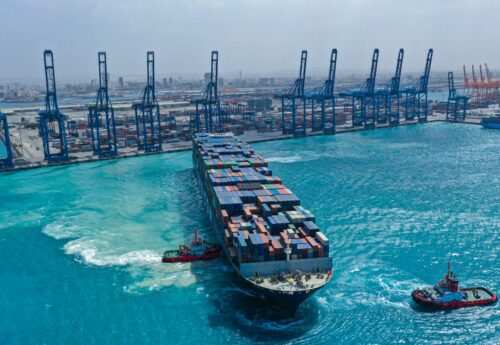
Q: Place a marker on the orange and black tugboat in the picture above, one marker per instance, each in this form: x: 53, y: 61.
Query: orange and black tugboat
x: 197, y: 250
x: 447, y: 295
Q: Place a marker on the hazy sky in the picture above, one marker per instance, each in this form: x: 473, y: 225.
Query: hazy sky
x: 254, y: 36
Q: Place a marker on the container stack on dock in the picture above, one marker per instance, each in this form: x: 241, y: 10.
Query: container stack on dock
x: 256, y: 217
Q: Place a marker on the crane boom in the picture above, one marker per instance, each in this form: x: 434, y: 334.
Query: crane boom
x: 425, y: 78
x: 451, y: 86
x: 396, y: 80
x: 370, y: 87
x: 330, y: 83
x: 50, y: 83
x: 466, y: 79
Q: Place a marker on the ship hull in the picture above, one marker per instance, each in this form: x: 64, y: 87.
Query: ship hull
x: 188, y: 258
x: 491, y: 125
x: 491, y: 122
x: 289, y: 302
x: 434, y: 304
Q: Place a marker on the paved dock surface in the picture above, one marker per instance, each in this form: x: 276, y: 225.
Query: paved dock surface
x: 29, y: 155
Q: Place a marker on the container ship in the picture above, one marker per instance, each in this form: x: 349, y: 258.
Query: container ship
x: 272, y: 242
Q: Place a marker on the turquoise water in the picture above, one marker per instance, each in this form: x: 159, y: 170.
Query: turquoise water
x: 80, y: 245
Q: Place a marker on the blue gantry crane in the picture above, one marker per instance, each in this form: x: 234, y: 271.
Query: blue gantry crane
x: 101, y: 115
x: 293, y: 103
x: 415, y: 96
x: 51, y: 116
x: 388, y: 97
x: 324, y: 98
x: 456, y: 107
x: 5, y: 161
x: 363, y: 100
x: 147, y: 113
x: 208, y: 115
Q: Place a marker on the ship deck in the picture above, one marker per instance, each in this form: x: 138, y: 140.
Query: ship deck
x: 292, y: 282
x: 467, y: 293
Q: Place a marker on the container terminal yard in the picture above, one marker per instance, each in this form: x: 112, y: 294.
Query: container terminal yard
x: 104, y: 129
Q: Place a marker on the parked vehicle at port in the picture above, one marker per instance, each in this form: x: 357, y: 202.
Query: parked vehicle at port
x: 199, y: 249
x: 272, y: 242
x: 447, y: 295
x: 492, y: 122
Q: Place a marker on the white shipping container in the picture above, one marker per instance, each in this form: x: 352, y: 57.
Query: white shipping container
x: 322, y: 238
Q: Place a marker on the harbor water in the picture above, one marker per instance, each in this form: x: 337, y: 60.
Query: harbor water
x: 80, y: 245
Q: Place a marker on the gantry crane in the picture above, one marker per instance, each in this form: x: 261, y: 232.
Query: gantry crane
x: 388, y: 98
x: 5, y: 159
x: 50, y: 115
x: 324, y: 99
x: 456, y: 107
x: 147, y: 113
x: 293, y: 103
x: 363, y: 100
x: 493, y: 85
x: 208, y: 115
x: 101, y: 115
x: 415, y: 103
x: 482, y: 89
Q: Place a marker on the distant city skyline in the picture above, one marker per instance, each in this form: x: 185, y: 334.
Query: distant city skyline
x: 258, y: 38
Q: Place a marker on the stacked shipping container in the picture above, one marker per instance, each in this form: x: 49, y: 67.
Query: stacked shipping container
x: 260, y: 217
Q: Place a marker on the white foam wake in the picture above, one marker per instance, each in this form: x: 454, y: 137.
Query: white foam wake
x: 288, y: 159
x: 86, y: 250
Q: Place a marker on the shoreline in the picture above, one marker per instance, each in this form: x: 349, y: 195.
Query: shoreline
x: 186, y: 146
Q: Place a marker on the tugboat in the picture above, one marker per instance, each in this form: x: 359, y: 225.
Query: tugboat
x: 492, y: 122
x: 197, y: 250
x: 447, y: 295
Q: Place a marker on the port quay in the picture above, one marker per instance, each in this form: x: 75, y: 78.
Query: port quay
x: 82, y: 132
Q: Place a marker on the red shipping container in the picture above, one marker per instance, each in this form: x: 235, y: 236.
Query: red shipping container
x: 276, y: 245
x: 302, y: 232
x: 247, y: 213
x: 284, y: 236
x: 264, y: 239
x: 225, y: 216
x: 261, y: 228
